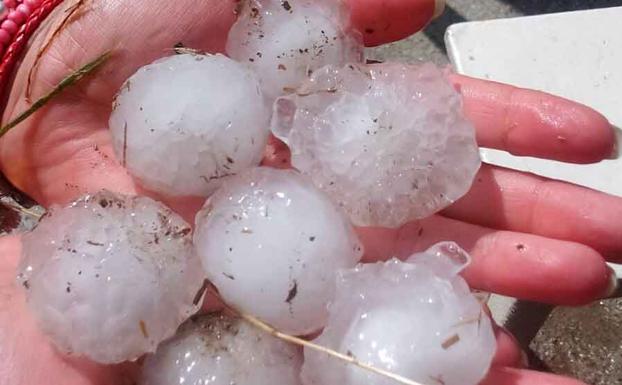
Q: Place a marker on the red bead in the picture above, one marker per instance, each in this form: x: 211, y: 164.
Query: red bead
x: 24, y: 9
x: 20, y: 37
x: 5, y: 37
x: 32, y: 3
x: 10, y: 4
x: 17, y: 17
x: 10, y: 26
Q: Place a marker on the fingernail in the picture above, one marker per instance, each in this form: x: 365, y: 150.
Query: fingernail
x: 524, y: 359
x: 613, y: 290
x: 615, y: 154
x: 439, y: 8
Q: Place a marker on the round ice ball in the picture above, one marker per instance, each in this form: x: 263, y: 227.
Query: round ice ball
x: 221, y: 350
x: 416, y: 319
x: 182, y: 123
x: 110, y: 276
x: 272, y: 244
x: 388, y: 142
x: 285, y: 41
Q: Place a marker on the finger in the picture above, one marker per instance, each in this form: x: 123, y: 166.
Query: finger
x: 512, y: 200
x: 277, y: 154
x: 384, y: 21
x: 27, y: 357
x: 508, y: 352
x: 508, y: 376
x: 516, y: 264
x: 533, y: 123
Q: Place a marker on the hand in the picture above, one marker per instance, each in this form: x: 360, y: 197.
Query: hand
x: 64, y: 151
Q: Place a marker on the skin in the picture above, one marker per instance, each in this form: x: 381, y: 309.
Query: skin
x: 530, y: 237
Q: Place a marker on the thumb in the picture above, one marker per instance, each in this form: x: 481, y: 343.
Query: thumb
x: 384, y: 21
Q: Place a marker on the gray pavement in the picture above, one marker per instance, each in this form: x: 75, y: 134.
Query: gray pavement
x: 429, y: 45
x: 584, y: 343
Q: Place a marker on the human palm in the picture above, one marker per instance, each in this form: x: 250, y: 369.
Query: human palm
x: 529, y: 237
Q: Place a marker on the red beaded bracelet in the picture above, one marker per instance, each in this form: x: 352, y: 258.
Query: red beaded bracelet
x: 19, y: 19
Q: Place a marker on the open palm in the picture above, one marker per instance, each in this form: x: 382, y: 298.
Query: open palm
x: 530, y: 237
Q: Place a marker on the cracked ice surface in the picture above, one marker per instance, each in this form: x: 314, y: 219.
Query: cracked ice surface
x: 221, y: 350
x: 284, y: 41
x: 417, y: 319
x: 182, y: 123
x: 272, y: 242
x: 110, y: 276
x: 388, y: 142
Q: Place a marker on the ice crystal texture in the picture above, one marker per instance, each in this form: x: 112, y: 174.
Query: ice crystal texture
x: 220, y: 350
x: 416, y: 319
x: 388, y: 142
x: 284, y: 41
x: 272, y: 244
x: 183, y: 122
x: 110, y: 276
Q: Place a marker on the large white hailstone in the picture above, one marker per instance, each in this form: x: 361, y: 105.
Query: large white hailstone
x: 285, y: 41
x: 416, y: 319
x: 221, y: 350
x: 110, y: 276
x: 388, y: 142
x: 272, y: 244
x: 183, y: 122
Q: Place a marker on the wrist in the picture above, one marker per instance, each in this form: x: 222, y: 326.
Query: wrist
x: 19, y: 20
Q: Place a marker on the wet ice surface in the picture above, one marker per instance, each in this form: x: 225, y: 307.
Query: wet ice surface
x: 284, y: 41
x: 388, y: 142
x: 183, y: 122
x: 272, y: 243
x: 416, y: 319
x: 110, y: 276
x: 220, y: 350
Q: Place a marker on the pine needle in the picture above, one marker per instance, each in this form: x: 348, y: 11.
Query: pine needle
x: 66, y: 82
x: 343, y: 357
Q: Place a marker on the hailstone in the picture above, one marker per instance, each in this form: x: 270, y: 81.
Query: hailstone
x: 416, y: 319
x: 285, y: 41
x: 110, y: 276
x: 388, y: 142
x: 272, y: 243
x: 182, y: 123
x: 221, y: 350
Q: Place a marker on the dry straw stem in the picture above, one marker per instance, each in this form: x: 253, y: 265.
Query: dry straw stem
x: 66, y: 82
x: 181, y: 50
x: 69, y: 14
x: 343, y: 357
x: 28, y: 212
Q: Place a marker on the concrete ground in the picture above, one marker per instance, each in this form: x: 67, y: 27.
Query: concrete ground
x: 581, y: 342
x: 429, y: 45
